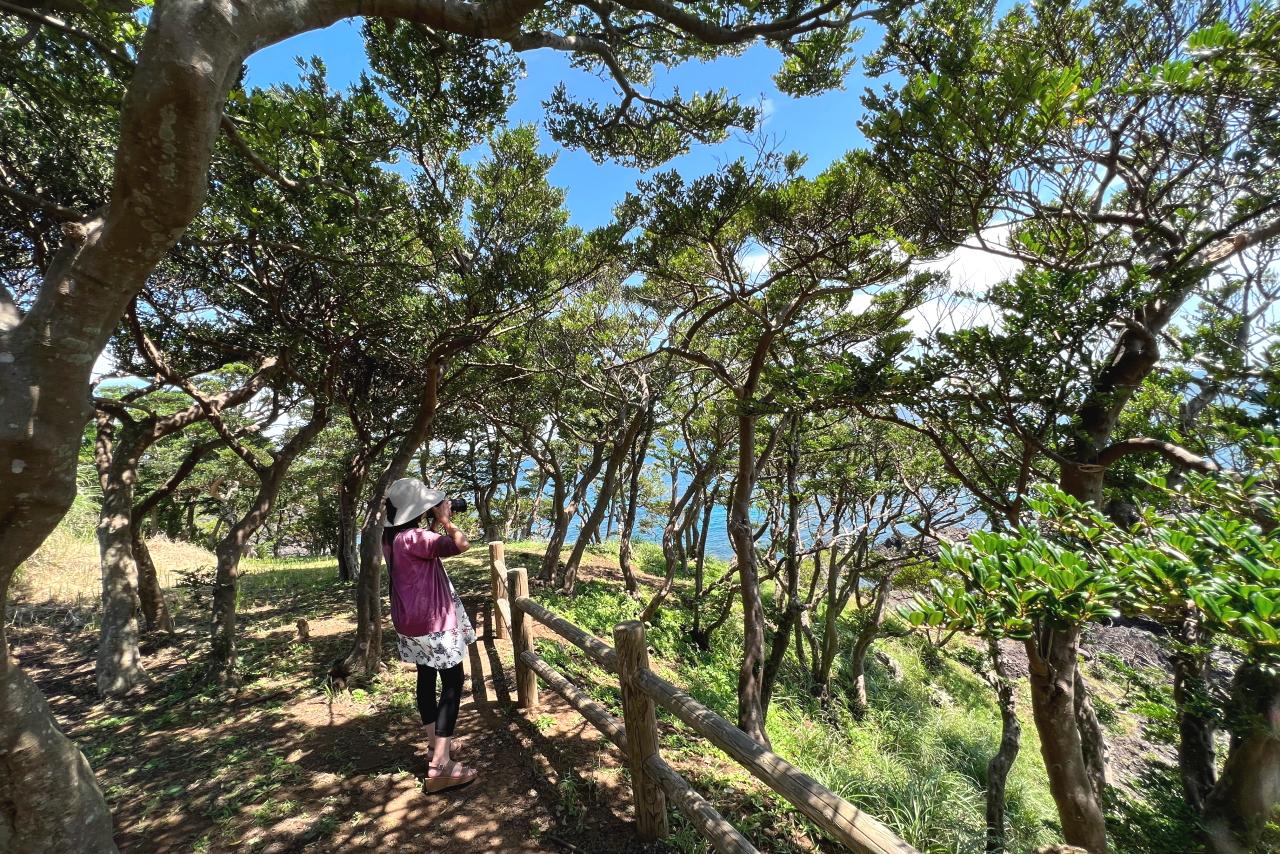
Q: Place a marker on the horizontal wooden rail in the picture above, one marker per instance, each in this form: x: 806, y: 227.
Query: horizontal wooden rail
x: 653, y: 778
x: 849, y: 825
x: 713, y: 827
x: 597, y: 650
x: 574, y: 696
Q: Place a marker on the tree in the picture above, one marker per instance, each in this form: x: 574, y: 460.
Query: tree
x: 1038, y: 584
x: 117, y: 454
x: 1124, y: 164
x: 779, y: 337
x: 1208, y: 568
x: 882, y: 501
x: 701, y: 454
x: 503, y: 251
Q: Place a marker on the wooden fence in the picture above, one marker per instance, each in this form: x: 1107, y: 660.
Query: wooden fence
x: 653, y: 781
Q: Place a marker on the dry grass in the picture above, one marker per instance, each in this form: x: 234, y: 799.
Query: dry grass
x: 65, y: 569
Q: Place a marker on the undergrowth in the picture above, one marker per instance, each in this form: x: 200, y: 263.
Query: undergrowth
x: 917, y: 760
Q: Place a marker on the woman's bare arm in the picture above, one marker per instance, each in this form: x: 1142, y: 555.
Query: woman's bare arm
x: 444, y: 515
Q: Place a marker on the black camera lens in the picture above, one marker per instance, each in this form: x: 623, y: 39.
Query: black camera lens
x: 458, y: 505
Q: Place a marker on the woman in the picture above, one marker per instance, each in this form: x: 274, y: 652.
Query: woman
x: 432, y: 628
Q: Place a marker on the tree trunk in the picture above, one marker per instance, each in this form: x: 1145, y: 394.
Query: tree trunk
x: 1010, y: 742
x: 511, y: 497
x: 1245, y: 797
x: 559, y: 524
x: 484, y: 510
x: 1093, y: 743
x: 778, y: 646
x: 222, y: 652
x: 119, y: 667
x: 49, y: 799
x: 190, y: 60
x: 535, y: 504
x: 1197, y: 756
x: 630, y: 508
x: 1082, y: 481
x: 750, y: 671
x: 674, y: 556
x: 365, y: 658
x: 1133, y: 356
x: 607, y: 486
x: 1053, y: 683
x: 825, y: 653
x: 791, y: 567
x: 124, y: 576
x: 155, y: 610
x: 357, y: 469
x: 231, y: 548
x: 565, y: 514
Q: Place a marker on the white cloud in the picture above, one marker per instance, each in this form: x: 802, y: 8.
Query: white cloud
x: 972, y: 271
x: 767, y: 109
x: 975, y: 269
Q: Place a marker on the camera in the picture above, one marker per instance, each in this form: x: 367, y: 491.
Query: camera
x: 458, y: 505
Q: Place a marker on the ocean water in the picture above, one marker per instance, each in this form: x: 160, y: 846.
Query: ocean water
x: 649, y: 529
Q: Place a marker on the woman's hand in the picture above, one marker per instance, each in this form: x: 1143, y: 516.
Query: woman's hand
x: 443, y: 511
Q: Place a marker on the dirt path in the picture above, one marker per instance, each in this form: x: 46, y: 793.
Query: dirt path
x: 517, y: 804
x: 283, y: 766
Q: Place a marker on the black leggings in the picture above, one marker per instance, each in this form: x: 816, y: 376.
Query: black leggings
x: 444, y: 713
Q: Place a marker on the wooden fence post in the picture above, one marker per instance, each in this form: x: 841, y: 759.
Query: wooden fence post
x: 522, y: 640
x: 642, y: 731
x: 498, y: 581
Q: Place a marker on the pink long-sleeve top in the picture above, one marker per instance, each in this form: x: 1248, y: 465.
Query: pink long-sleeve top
x: 421, y: 594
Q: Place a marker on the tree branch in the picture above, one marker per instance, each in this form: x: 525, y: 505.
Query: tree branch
x: 33, y: 202
x: 189, y: 463
x: 1172, y: 452
x: 207, y: 407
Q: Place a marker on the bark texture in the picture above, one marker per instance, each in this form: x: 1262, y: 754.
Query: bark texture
x: 751, y: 668
x: 155, y: 610
x: 1052, y: 661
x: 49, y: 799
x: 119, y: 667
x: 1010, y: 743
x: 1246, y: 794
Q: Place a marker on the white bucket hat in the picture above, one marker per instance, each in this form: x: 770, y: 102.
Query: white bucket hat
x: 411, y: 498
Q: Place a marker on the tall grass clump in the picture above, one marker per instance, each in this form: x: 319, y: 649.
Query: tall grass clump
x: 66, y: 569
x: 918, y: 758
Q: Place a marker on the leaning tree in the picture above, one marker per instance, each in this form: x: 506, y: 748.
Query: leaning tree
x: 1121, y: 154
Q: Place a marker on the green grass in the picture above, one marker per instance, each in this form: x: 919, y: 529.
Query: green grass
x: 917, y: 761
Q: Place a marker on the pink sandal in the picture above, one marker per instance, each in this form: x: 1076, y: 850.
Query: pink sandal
x: 452, y: 780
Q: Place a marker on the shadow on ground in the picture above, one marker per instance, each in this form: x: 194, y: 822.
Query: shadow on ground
x: 283, y: 764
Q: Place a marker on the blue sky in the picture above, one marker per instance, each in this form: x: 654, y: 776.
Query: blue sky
x: 822, y: 127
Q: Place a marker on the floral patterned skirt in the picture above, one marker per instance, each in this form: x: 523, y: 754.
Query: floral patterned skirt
x: 440, y: 650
